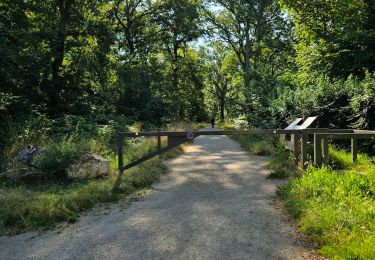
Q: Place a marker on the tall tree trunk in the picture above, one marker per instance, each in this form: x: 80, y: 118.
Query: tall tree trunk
x: 58, y: 49
x: 247, y: 55
x: 222, y: 109
x: 175, y: 66
x: 175, y: 79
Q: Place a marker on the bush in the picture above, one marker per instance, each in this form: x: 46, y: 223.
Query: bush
x: 59, y: 156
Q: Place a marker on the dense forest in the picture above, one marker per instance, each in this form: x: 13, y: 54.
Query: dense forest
x: 259, y: 63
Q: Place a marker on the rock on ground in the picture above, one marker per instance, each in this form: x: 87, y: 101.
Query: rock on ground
x: 216, y: 203
x: 88, y: 166
x: 28, y: 153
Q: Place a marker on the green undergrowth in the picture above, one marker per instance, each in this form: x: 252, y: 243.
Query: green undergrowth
x: 335, y: 205
x: 336, y: 209
x: 342, y: 160
x: 30, y: 204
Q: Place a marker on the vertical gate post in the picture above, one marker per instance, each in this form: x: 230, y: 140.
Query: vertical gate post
x: 304, y: 138
x: 325, y: 150
x: 354, y: 148
x: 120, y: 159
x: 159, y: 142
x: 295, y: 141
x: 317, y: 150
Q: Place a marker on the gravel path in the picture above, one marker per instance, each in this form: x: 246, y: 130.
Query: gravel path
x: 216, y: 203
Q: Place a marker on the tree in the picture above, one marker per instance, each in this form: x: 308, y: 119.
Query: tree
x: 221, y: 70
x: 136, y: 29
x: 58, y: 51
x: 259, y: 35
x: 334, y: 37
x: 248, y: 27
x: 179, y: 24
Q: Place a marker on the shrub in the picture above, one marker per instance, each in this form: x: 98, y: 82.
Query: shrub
x: 338, y: 103
x: 58, y: 156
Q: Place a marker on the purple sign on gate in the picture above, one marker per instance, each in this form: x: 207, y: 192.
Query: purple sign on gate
x: 190, y: 135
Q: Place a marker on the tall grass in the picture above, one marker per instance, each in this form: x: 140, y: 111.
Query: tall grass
x: 336, y: 209
x: 340, y: 159
x: 281, y: 163
x: 335, y: 205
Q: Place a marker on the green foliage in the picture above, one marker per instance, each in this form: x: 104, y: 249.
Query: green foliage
x: 339, y: 159
x: 336, y: 209
x: 337, y: 103
x: 362, y: 102
x: 223, y: 82
x: 96, y: 57
x: 59, y: 156
x: 264, y: 147
x: 259, y: 36
x: 333, y: 37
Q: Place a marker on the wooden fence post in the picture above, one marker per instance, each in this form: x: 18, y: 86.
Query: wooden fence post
x: 120, y: 159
x: 295, y: 141
x: 354, y: 148
x: 325, y: 150
x: 159, y: 141
x: 317, y: 150
x: 304, y: 138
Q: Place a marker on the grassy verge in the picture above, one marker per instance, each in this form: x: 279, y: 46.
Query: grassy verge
x: 335, y: 206
x: 336, y: 209
x: 30, y: 205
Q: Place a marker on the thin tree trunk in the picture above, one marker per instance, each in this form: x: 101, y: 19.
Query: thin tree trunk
x: 181, y: 105
x: 222, y: 109
x: 175, y: 69
x: 247, y: 55
x: 58, y: 49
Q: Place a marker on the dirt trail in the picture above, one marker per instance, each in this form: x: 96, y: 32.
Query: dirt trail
x: 216, y: 203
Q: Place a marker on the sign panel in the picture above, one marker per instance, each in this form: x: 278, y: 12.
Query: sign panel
x: 190, y: 136
x: 296, y: 124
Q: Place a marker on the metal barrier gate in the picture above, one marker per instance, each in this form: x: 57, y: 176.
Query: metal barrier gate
x: 296, y: 137
x: 177, y: 138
